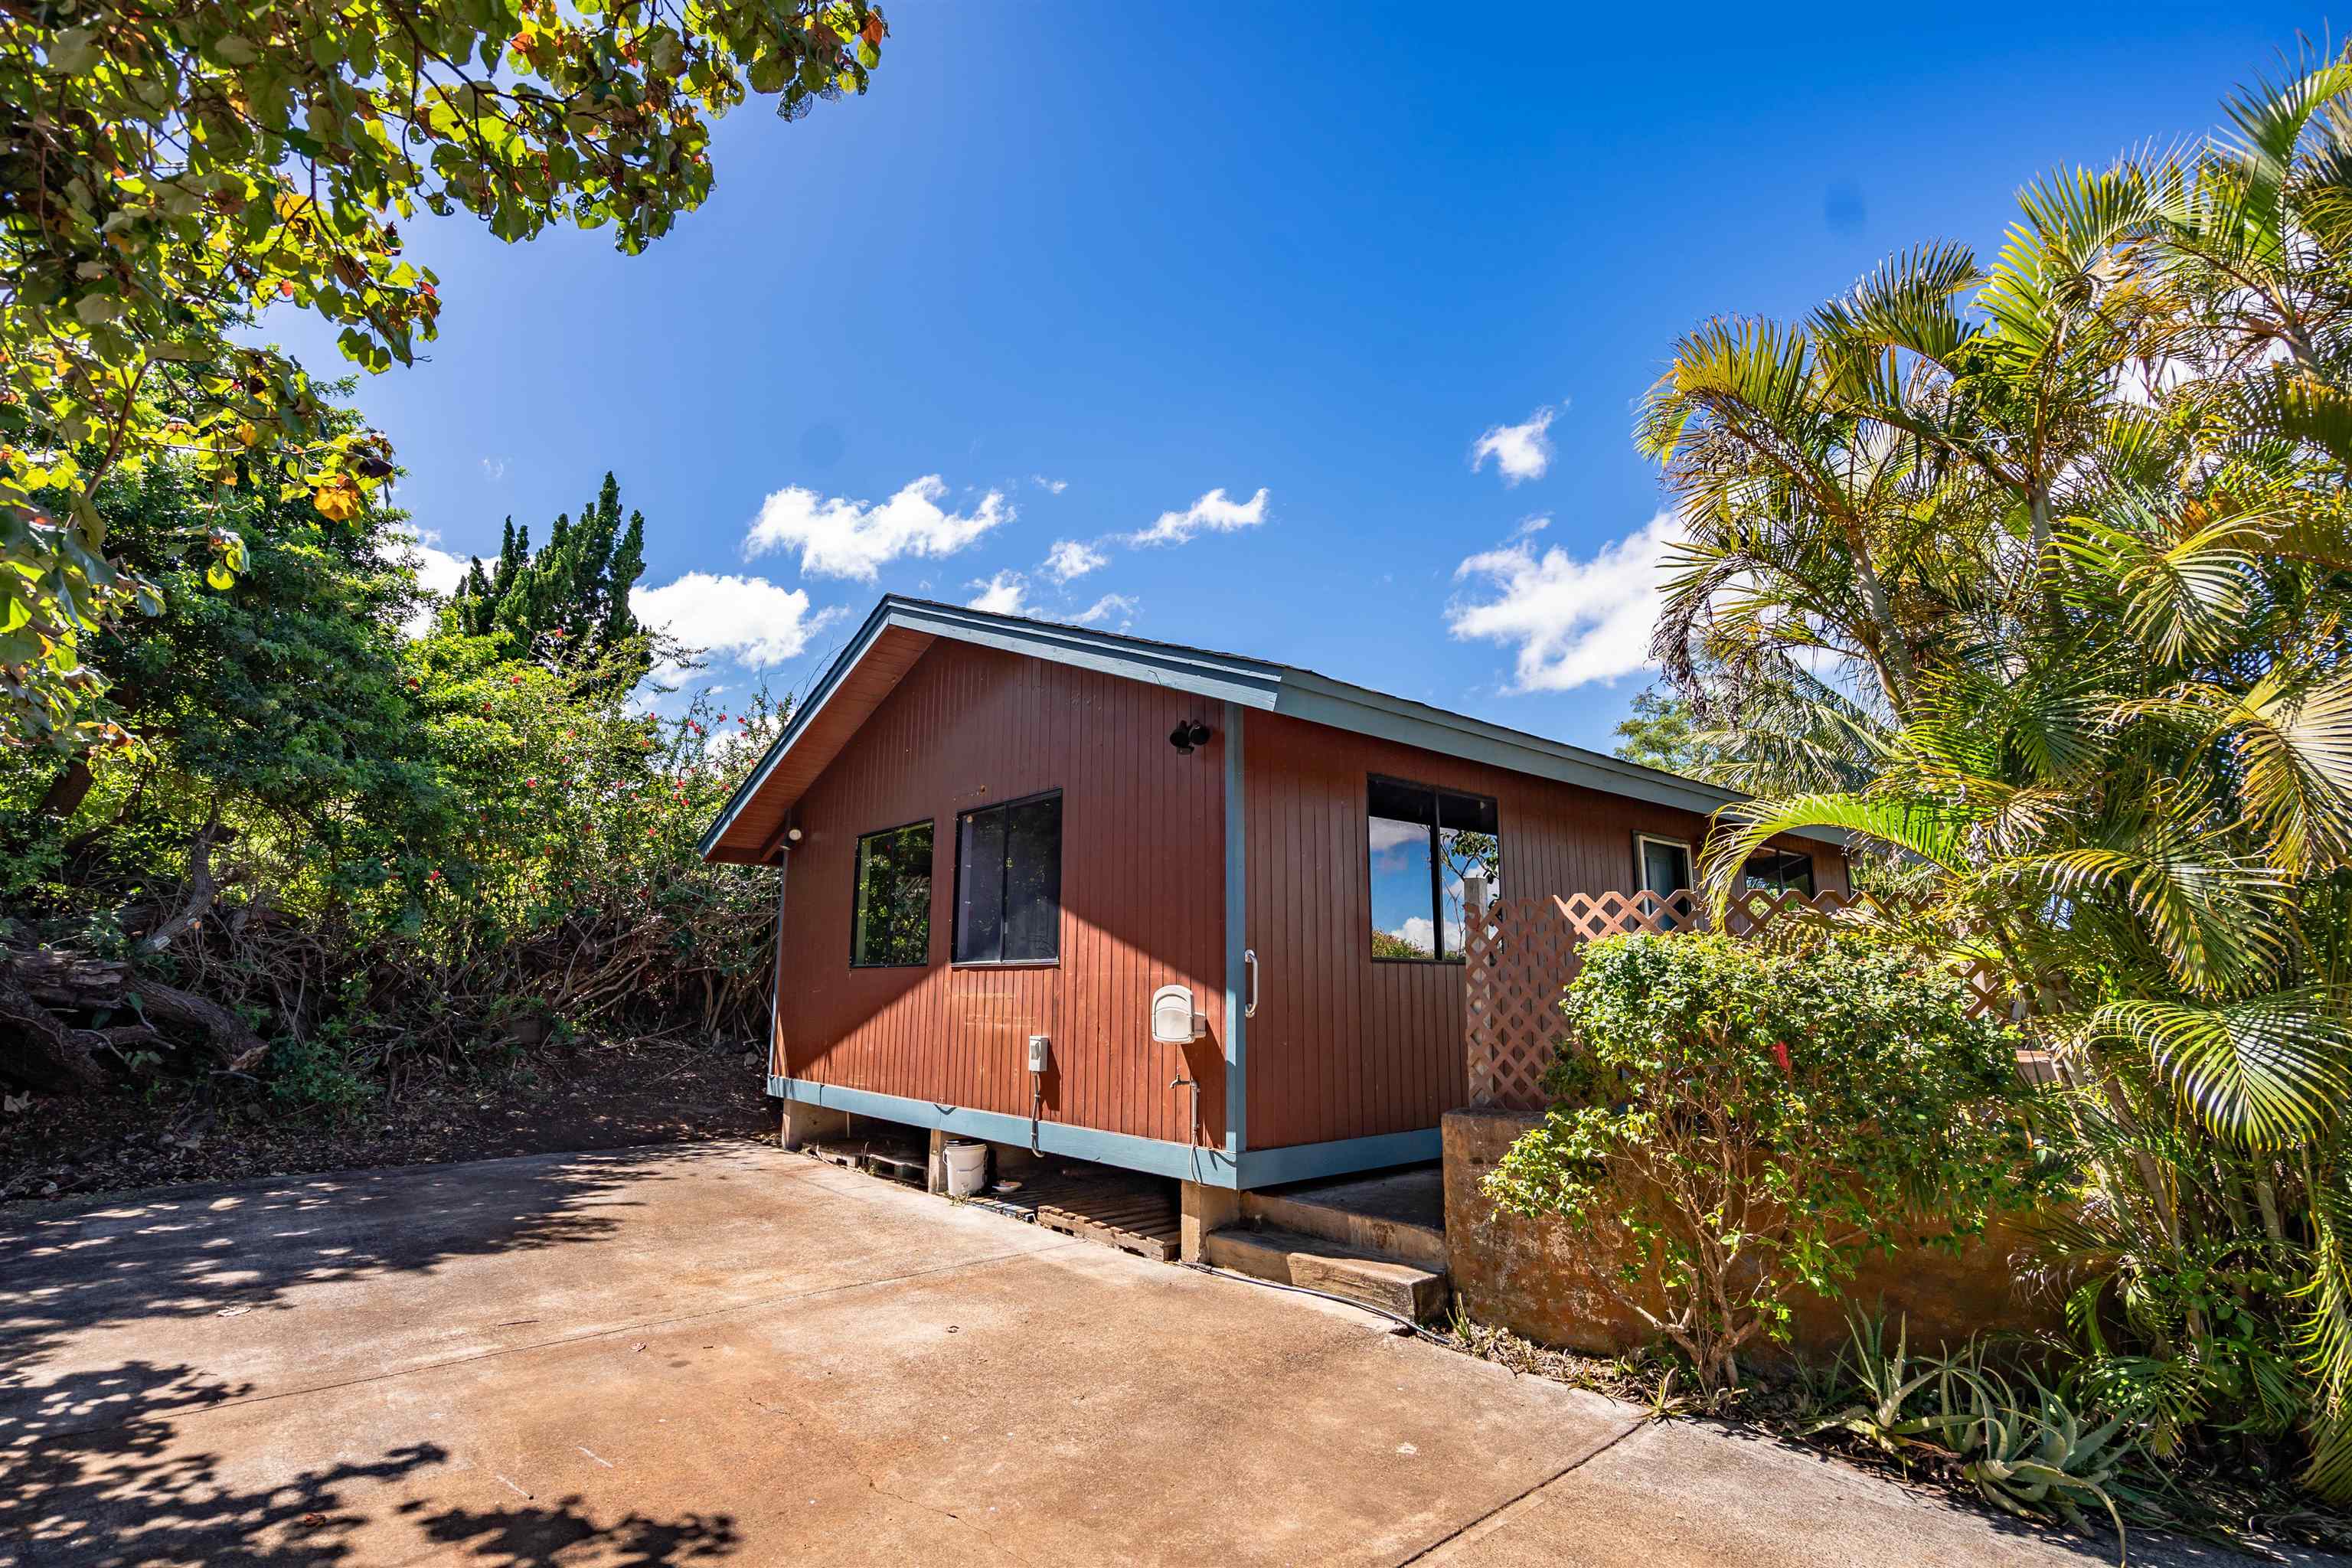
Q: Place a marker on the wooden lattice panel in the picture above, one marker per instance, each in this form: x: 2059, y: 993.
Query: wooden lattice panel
x: 1524, y: 952
x: 1519, y: 959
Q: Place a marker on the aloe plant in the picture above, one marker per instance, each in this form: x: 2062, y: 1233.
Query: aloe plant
x: 2048, y: 1459
x: 1887, y: 1385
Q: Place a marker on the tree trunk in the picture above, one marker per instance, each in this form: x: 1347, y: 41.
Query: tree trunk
x: 65, y: 792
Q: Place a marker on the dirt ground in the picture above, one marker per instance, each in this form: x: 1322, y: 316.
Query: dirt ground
x: 589, y: 1097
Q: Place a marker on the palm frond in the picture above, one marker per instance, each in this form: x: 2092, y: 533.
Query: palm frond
x: 2185, y: 585
x: 1908, y: 302
x: 2298, y: 747
x: 2266, y: 1072
x: 2213, y: 915
x: 2324, y: 1336
x: 1742, y: 828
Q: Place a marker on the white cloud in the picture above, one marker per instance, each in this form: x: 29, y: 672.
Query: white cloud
x: 750, y: 619
x: 1103, y: 609
x: 494, y: 469
x: 1051, y: 487
x: 838, y: 537
x: 1573, y: 621
x: 1520, y: 451
x: 438, y: 572
x: 1070, y: 559
x: 1005, y: 594
x: 1214, y: 511
x: 1418, y: 930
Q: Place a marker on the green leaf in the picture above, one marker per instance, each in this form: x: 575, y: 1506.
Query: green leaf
x: 73, y: 50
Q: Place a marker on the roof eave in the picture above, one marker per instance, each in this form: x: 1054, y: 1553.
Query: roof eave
x: 1254, y: 683
x: 847, y: 660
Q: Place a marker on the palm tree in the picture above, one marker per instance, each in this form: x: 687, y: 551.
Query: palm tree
x: 2061, y: 544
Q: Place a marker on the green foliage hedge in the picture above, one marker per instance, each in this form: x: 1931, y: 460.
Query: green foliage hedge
x: 1736, y: 1123
x: 421, y: 842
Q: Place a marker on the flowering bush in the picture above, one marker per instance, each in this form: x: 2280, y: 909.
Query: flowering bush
x: 1734, y: 1124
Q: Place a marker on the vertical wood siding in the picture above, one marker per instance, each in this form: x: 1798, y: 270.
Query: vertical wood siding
x: 1346, y: 1046
x: 1143, y: 899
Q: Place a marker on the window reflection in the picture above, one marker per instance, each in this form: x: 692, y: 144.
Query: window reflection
x: 1433, y: 855
x: 890, y: 923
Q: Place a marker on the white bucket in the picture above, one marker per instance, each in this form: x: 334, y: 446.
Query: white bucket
x: 967, y: 1168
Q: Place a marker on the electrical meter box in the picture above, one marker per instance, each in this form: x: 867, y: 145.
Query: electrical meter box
x: 1041, y: 1053
x: 1173, y: 1020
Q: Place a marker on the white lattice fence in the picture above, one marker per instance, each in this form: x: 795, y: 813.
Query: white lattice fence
x: 1524, y: 952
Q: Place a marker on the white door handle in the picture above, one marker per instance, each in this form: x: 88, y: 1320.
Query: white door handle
x: 1249, y: 958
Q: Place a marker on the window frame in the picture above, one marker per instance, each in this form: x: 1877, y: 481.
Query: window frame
x: 1641, y: 841
x: 1436, y: 865
x: 856, y: 885
x: 955, y: 917
x: 1813, y: 870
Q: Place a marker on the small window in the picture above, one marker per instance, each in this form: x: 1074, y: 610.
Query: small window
x: 1431, y: 852
x: 1009, y: 882
x: 891, y: 924
x: 1665, y: 864
x: 1775, y: 872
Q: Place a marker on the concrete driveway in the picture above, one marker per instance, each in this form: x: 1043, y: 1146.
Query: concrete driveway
x: 727, y: 1352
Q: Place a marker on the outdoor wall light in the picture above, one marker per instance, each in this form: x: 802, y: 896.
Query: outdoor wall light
x: 1188, y: 734
x: 794, y: 834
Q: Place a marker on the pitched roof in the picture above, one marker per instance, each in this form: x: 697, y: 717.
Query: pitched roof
x: 901, y: 629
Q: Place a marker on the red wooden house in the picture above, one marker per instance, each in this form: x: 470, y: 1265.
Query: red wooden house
x: 991, y: 829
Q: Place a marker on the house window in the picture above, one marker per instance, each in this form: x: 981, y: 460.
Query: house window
x: 1664, y: 864
x: 1430, y: 850
x: 1009, y: 882
x: 890, y: 923
x: 1775, y: 872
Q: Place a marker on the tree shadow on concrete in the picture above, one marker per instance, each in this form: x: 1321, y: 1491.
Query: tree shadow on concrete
x: 84, y: 1483
x: 562, y: 1535
x: 205, y: 1250
x: 86, y: 1459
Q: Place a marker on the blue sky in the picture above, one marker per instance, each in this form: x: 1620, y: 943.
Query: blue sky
x: 1228, y: 298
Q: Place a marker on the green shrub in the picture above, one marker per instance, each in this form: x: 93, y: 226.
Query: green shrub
x: 318, y: 1074
x: 1735, y: 1124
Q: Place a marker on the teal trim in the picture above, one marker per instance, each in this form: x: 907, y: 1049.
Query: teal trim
x: 1228, y: 676
x: 1250, y: 683
x: 1210, y: 1167
x: 1319, y: 699
x: 1236, y: 939
x: 1304, y: 1161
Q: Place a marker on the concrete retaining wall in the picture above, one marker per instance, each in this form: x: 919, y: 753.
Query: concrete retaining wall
x: 1538, y: 1280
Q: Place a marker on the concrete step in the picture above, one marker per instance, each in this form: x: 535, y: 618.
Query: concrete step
x: 1353, y: 1218
x: 1319, y: 1263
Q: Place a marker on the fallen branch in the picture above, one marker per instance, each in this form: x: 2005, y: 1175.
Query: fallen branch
x: 230, y: 1036
x: 37, y: 1050
x: 36, y: 986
